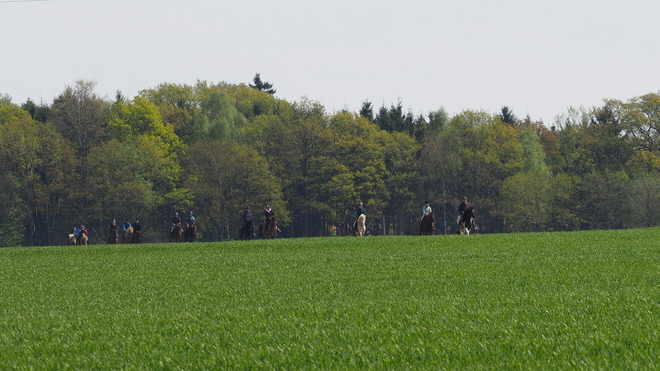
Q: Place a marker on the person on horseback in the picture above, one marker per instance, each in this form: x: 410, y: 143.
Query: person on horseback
x: 125, y: 226
x: 79, y: 233
x: 114, y: 232
x: 247, y: 215
x: 190, y: 219
x: 426, y: 213
x: 176, y: 220
x: 359, y: 211
x: 247, y: 228
x: 137, y: 231
x: 269, y: 214
x: 462, y: 207
x: 137, y: 226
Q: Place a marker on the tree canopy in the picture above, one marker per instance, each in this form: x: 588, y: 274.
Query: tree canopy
x: 216, y: 148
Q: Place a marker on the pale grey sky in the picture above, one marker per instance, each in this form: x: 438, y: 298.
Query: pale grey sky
x: 539, y: 57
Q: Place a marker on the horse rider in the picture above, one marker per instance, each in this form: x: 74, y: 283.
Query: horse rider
x: 461, y: 210
x: 190, y: 219
x: 426, y: 212
x: 176, y: 220
x: 114, y: 229
x: 269, y: 214
x: 137, y: 230
x: 247, y: 215
x: 359, y: 211
x: 126, y: 225
x: 137, y: 226
x: 79, y: 233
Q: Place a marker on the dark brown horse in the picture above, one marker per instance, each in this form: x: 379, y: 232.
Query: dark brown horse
x: 268, y: 229
x: 247, y: 230
x: 114, y: 236
x: 466, y: 223
x: 177, y: 233
x: 427, y: 224
x: 191, y: 233
x: 137, y: 237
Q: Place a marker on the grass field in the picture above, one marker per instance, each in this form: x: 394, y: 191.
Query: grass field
x: 587, y: 300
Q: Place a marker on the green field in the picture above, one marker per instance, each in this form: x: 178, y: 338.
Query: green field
x: 587, y: 300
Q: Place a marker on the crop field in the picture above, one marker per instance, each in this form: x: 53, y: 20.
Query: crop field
x: 581, y: 300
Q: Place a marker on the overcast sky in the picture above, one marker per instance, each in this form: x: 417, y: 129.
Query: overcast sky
x: 538, y: 57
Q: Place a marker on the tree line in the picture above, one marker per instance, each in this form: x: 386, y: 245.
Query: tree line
x: 215, y: 148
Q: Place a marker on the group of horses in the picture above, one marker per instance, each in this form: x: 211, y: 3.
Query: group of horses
x: 465, y: 223
x: 130, y: 236
x: 178, y: 234
x: 80, y: 239
x: 267, y: 229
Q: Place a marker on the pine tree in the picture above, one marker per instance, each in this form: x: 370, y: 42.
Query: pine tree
x: 262, y: 85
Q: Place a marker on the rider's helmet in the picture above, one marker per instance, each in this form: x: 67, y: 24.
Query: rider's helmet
x: 267, y: 206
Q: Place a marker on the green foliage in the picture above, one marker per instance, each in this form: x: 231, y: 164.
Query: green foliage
x: 34, y: 164
x: 217, y: 120
x: 584, y: 300
x: 533, y: 153
x: 252, y: 102
x: 177, y: 104
x: 80, y: 116
x: 525, y: 202
x: 644, y: 200
x: 565, y: 203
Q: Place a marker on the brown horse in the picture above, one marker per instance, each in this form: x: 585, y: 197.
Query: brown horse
x: 114, y: 237
x: 128, y: 235
x: 191, y: 233
x: 427, y: 224
x: 268, y: 229
x: 177, y: 233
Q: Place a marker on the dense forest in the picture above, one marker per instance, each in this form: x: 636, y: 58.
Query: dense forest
x: 215, y: 148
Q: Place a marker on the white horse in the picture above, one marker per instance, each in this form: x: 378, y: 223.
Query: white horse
x: 361, y: 226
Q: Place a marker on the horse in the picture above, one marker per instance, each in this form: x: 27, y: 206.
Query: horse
x: 72, y: 238
x: 137, y: 237
x: 247, y: 230
x: 114, y: 237
x: 191, y: 233
x: 128, y: 235
x: 268, y: 229
x: 82, y: 239
x: 427, y: 224
x: 177, y: 233
x: 466, y: 223
x: 361, y: 226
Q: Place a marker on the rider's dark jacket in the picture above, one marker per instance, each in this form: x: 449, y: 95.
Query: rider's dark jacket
x: 462, y: 207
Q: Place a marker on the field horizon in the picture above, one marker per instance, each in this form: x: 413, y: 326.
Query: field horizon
x: 588, y: 300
